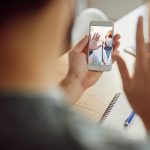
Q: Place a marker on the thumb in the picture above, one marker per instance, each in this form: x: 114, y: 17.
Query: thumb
x: 82, y: 44
x: 123, y: 70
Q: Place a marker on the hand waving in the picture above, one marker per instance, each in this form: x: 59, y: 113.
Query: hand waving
x: 137, y: 88
x: 94, y: 42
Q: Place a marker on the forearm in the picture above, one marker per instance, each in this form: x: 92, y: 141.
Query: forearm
x: 73, y: 88
x: 146, y: 120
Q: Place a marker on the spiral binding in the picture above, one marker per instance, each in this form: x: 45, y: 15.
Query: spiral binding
x: 108, y: 110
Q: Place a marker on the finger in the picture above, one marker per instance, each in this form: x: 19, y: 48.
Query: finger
x: 98, y: 37
x: 114, y: 55
x: 139, y: 41
x: 123, y: 70
x: 116, y: 37
x: 90, y: 37
x: 116, y: 45
x: 148, y: 47
x: 116, y: 52
x: 82, y: 44
x: 94, y: 36
x: 85, y: 50
x: 149, y: 21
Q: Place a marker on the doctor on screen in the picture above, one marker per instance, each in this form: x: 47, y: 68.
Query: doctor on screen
x: 100, y: 49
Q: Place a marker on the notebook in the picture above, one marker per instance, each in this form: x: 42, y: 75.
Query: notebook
x: 130, y: 50
x: 116, y: 114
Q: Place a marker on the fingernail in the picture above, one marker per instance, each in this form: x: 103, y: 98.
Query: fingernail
x: 140, y: 18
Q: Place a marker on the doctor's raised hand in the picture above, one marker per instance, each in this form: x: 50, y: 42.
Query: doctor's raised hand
x: 79, y: 78
x: 94, y: 42
x: 137, y: 87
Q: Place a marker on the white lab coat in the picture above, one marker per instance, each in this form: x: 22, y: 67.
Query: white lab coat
x: 96, y: 57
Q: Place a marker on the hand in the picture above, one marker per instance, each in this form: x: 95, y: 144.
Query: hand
x: 79, y: 78
x: 94, y: 41
x: 137, y: 88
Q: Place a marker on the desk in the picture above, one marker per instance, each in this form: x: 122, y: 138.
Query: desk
x: 96, y: 99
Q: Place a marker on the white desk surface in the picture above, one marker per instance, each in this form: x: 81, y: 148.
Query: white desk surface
x: 126, y: 26
x: 95, y: 100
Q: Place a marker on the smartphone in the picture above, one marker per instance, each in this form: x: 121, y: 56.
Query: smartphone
x: 100, y: 45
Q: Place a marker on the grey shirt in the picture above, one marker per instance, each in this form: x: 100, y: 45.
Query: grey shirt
x: 42, y: 122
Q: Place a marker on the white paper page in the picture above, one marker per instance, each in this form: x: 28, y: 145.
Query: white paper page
x: 119, y: 114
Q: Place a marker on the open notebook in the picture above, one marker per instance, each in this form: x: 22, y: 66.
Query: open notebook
x: 116, y: 114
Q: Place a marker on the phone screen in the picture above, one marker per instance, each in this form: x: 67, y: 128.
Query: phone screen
x: 100, y: 45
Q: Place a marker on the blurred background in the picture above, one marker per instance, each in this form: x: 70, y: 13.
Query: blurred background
x: 114, y: 9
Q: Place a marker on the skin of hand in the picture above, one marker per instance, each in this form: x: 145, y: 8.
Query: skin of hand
x: 79, y: 78
x: 137, y: 87
x: 94, y: 42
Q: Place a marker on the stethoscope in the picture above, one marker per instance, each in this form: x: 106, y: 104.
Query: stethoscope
x: 103, y: 53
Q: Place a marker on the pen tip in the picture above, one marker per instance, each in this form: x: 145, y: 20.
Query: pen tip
x: 126, y: 125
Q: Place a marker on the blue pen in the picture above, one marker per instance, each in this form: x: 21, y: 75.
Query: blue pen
x: 129, y: 119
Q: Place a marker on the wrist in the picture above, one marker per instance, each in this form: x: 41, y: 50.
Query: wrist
x: 72, y: 87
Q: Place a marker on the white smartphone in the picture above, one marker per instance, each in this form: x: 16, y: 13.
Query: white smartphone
x: 100, y: 45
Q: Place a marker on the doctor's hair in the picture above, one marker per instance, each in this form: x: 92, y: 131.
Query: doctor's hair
x: 9, y: 9
x: 109, y: 34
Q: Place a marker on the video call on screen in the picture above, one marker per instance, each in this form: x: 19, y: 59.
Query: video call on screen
x: 100, y: 45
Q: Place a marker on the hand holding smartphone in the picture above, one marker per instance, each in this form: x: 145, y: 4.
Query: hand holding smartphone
x: 100, y: 45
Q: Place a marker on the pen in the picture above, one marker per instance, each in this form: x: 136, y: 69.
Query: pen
x: 129, y: 119
x: 130, y: 51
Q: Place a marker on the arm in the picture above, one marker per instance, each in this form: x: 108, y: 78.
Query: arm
x: 72, y: 87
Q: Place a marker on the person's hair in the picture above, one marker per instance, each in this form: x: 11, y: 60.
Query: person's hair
x: 13, y: 8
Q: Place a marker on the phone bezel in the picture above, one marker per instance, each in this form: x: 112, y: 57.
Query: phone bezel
x: 108, y: 23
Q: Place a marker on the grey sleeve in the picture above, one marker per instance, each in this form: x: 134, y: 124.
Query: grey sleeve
x: 94, y: 137
x: 71, y: 127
